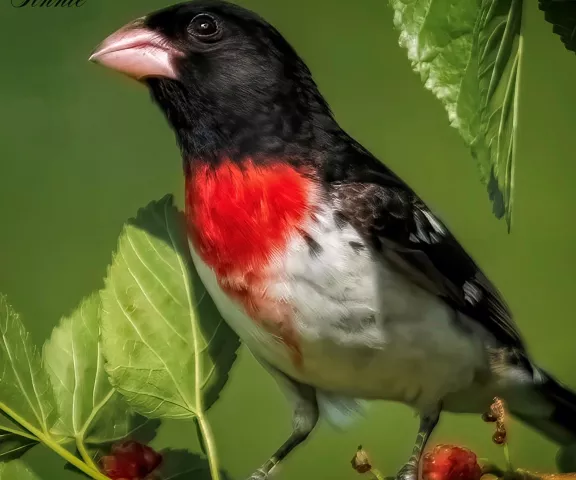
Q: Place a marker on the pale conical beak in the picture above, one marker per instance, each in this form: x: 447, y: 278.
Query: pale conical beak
x: 138, y: 52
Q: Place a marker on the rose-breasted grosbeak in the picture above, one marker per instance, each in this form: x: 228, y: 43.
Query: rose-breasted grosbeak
x: 332, y: 270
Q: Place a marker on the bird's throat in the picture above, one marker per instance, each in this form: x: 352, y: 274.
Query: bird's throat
x: 241, y: 217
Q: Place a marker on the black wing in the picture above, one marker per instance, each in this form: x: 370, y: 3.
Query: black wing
x: 396, y: 222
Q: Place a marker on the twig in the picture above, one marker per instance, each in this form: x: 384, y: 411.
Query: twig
x: 47, y: 440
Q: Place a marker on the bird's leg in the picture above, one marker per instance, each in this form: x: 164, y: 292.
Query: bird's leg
x: 304, y: 420
x: 412, y: 467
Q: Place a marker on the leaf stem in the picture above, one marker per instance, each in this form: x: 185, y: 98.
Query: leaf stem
x: 53, y: 445
x: 210, y: 446
x: 79, y: 464
x: 95, y: 412
x: 205, y: 429
x: 376, y: 475
x: 84, y: 453
x: 507, y: 458
x: 13, y: 431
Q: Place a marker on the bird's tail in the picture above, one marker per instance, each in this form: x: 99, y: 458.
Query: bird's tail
x: 552, y: 411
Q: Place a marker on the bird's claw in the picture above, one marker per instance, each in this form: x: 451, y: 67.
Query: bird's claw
x: 407, y: 472
x: 259, y: 475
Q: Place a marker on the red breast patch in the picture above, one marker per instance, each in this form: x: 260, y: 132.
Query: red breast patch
x: 240, y: 218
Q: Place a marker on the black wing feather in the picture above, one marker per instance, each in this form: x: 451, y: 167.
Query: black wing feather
x: 396, y: 222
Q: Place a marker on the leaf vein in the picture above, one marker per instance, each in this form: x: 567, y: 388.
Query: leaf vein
x: 144, y: 342
x: 145, y: 293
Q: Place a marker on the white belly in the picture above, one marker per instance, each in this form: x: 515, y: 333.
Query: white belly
x: 365, y: 331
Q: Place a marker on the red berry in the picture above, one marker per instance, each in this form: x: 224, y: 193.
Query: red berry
x: 117, y: 468
x: 126, y: 447
x: 448, y: 462
x: 109, y: 466
x: 130, y: 460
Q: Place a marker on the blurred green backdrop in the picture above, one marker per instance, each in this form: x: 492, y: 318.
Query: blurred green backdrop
x: 82, y: 149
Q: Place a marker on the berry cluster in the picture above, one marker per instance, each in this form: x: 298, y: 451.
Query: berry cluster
x: 130, y: 460
x: 449, y: 462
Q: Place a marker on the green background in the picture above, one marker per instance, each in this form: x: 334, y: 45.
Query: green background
x: 83, y: 148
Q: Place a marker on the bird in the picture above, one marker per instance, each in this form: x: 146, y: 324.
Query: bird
x: 335, y: 274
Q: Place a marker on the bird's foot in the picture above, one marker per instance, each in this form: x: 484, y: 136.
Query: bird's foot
x: 408, y: 472
x: 259, y: 475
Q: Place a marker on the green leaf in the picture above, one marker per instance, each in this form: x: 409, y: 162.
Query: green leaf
x: 13, y: 446
x: 168, y: 350
x: 91, y: 410
x: 25, y: 391
x: 468, y: 53
x: 14, y: 440
x: 562, y: 15
x: 6, y: 423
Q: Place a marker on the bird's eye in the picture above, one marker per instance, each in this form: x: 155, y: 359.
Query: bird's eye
x: 204, y: 27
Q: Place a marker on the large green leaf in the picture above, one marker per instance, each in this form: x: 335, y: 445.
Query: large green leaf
x: 25, y: 391
x: 467, y: 53
x: 167, y: 348
x: 91, y: 410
